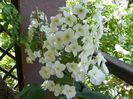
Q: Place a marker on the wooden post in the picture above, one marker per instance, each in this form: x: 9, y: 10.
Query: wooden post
x: 50, y: 7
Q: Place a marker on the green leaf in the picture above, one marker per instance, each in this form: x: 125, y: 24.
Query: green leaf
x: 24, y: 91
x: 32, y: 92
x: 67, y: 79
x: 88, y: 94
x: 101, y: 96
x: 62, y: 97
x: 7, y: 9
x: 35, y: 93
x: 78, y: 86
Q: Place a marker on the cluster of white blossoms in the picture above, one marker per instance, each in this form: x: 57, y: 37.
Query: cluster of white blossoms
x: 121, y: 50
x: 67, y: 90
x: 68, y: 49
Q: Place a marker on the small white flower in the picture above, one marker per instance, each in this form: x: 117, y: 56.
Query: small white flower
x: 70, y: 19
x: 59, y: 38
x: 84, y: 65
x: 80, y: 11
x: 58, y: 89
x: 125, y: 52
x: 119, y: 49
x: 42, y: 60
x: 37, y: 53
x: 51, y: 86
x: 68, y: 35
x: 48, y: 84
x: 45, y: 29
x: 45, y: 72
x: 66, y: 10
x: 49, y: 43
x: 34, y: 23
x: 96, y: 76
x: 53, y: 28
x: 85, y: 1
x: 41, y: 15
x: 30, y: 54
x: 56, y: 20
x: 119, y: 13
x: 79, y: 75
x: 74, y: 47
x: 122, y: 38
x: 44, y: 85
x: 45, y: 44
x: 69, y: 91
x: 81, y: 30
x: 89, y: 47
x: 42, y: 28
x: 29, y: 60
x: 72, y: 67
x: 49, y: 56
x: 107, y: 2
x: 59, y: 68
x: 64, y: 27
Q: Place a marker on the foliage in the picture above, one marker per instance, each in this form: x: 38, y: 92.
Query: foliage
x: 117, y: 29
x: 9, y: 20
x: 31, y: 92
x: 9, y: 25
x: 35, y: 91
x: 119, y: 32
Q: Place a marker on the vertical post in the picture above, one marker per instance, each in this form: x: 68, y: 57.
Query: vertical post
x: 19, y: 67
x: 50, y: 7
x: 18, y: 56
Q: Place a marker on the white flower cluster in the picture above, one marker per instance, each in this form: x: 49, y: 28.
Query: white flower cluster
x: 72, y: 37
x: 121, y: 50
x: 58, y: 89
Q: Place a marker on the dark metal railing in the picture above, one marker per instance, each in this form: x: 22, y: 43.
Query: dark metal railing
x: 119, y: 68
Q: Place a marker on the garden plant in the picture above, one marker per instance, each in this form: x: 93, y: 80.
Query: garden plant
x: 69, y: 48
